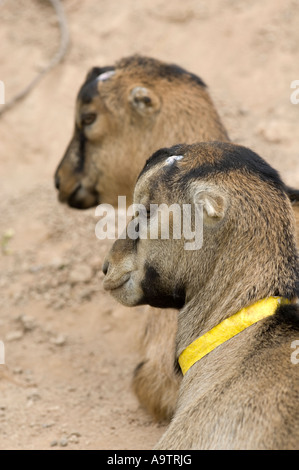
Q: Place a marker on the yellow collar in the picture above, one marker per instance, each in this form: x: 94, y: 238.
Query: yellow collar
x: 227, y: 329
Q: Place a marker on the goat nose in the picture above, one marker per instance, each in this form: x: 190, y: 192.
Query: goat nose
x: 57, y: 182
x: 105, y: 267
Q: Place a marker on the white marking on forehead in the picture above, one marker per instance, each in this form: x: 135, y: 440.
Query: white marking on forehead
x: 173, y: 158
x: 105, y: 75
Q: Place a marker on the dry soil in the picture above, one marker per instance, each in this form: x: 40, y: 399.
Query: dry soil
x: 69, y: 347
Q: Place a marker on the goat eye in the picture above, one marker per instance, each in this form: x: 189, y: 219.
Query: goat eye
x: 87, y: 119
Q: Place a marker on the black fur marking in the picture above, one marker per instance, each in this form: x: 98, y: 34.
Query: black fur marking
x: 171, y: 71
x: 160, y: 156
x: 154, y: 294
x: 236, y: 158
x: 81, y: 141
x: 151, y: 274
x: 284, y: 323
x: 287, y: 315
x: 81, y: 151
x: 89, y: 88
x: 177, y: 368
x: 158, y: 69
x: 293, y: 194
x: 88, y: 92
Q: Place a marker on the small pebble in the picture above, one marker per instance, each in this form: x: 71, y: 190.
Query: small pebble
x: 63, y: 442
x: 27, y: 322
x: 59, y: 340
x: 74, y: 437
x: 48, y: 425
x: 14, y: 335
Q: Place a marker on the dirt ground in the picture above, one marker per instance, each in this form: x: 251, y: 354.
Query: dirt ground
x: 69, y: 347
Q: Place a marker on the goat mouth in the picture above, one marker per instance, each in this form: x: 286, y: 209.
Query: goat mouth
x: 114, y: 285
x: 82, y: 198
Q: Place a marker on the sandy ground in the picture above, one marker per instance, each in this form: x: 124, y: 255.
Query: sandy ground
x: 69, y: 348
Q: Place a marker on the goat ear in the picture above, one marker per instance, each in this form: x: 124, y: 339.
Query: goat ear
x: 214, y: 203
x: 144, y: 100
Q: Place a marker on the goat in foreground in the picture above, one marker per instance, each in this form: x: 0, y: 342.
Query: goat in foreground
x: 236, y: 296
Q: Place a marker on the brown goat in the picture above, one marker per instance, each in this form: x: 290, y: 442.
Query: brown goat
x: 242, y: 391
x: 123, y: 114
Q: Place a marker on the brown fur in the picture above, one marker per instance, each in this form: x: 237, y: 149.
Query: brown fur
x: 155, y: 381
x: 244, y: 394
x: 104, y: 158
